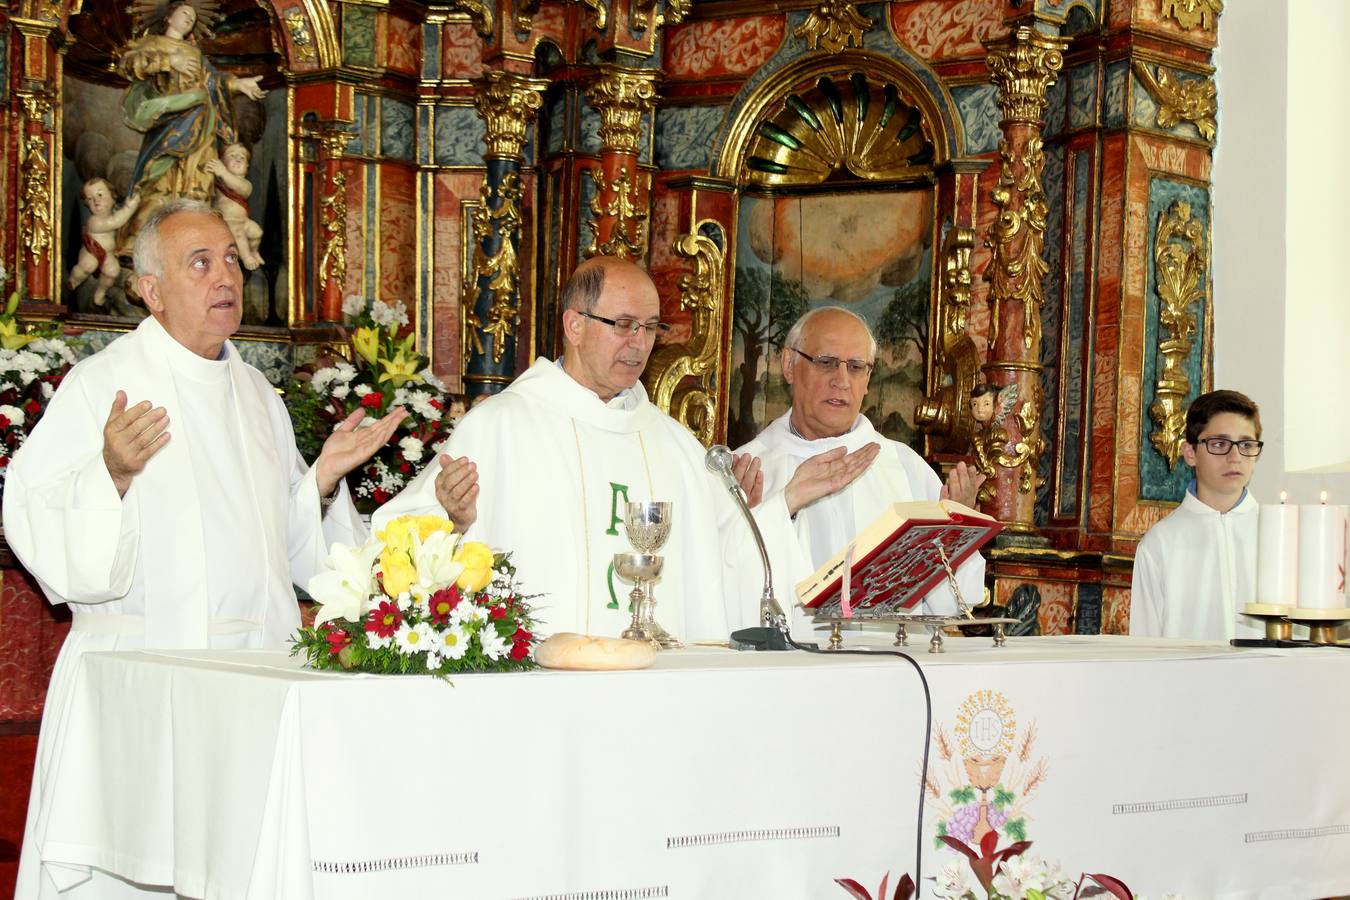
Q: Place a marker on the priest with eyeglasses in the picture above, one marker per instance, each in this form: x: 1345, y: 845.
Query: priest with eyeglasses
x: 831, y: 472
x: 545, y: 468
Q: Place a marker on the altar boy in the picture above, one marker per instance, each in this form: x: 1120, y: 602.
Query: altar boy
x: 1196, y: 568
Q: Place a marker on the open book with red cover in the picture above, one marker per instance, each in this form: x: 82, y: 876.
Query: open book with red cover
x: 895, y: 561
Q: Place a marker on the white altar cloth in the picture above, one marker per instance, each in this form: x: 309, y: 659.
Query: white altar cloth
x: 1177, y: 767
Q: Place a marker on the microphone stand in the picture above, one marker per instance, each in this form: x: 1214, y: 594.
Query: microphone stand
x: 772, y: 632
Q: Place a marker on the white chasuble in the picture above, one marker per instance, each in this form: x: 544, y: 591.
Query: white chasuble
x: 827, y: 525
x: 1194, y: 571
x: 556, y: 466
x: 203, y: 549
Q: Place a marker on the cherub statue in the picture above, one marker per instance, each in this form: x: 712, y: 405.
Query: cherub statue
x: 232, y: 192
x: 99, y: 254
x: 992, y: 409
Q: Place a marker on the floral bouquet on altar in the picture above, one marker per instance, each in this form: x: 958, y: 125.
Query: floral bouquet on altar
x: 385, y: 371
x: 33, y: 360
x: 418, y: 600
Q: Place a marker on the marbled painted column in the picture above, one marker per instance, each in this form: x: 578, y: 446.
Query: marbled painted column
x: 622, y: 97
x: 38, y: 150
x: 506, y: 102
x: 1023, y: 65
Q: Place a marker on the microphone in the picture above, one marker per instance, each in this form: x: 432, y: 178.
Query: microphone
x: 772, y: 633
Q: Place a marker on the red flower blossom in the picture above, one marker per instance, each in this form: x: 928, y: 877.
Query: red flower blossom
x: 522, y: 636
x: 436, y: 404
x: 405, y: 468
x: 372, y: 400
x: 385, y: 620
x: 4, y: 422
x: 338, y: 639
x: 380, y: 495
x: 32, y: 407
x: 4, y: 461
x: 520, y: 651
x: 443, y: 603
x: 497, y: 613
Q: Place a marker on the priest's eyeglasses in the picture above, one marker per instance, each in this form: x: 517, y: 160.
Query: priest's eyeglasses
x: 827, y: 364
x: 1220, y: 446
x: 626, y: 327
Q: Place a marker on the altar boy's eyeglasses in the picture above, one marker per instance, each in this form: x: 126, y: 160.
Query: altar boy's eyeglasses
x: 1220, y: 446
x: 626, y: 327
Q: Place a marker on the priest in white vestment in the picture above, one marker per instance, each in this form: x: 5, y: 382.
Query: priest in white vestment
x: 545, y: 468
x: 162, y: 496
x: 827, y: 361
x: 1196, y: 569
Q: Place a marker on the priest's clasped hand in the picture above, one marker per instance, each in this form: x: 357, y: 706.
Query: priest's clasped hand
x: 350, y: 446
x: 963, y: 485
x: 130, y: 438
x: 457, y: 490
x: 825, y: 473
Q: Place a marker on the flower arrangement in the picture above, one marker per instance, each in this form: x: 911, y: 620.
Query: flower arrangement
x: 385, y: 371
x: 416, y: 599
x: 1009, y: 874
x: 33, y: 360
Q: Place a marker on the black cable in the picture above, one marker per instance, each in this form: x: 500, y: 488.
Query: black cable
x: 927, y: 733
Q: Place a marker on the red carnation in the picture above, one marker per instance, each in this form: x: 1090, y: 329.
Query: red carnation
x: 4, y: 422
x: 385, y: 620
x: 520, y: 651
x: 522, y: 636
x: 372, y: 400
x: 497, y: 613
x: 380, y: 495
x: 405, y: 468
x: 436, y: 404
x: 32, y: 407
x: 443, y: 603
x: 4, y: 461
x: 338, y: 639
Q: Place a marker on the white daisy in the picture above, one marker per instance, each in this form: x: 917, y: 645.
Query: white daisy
x: 376, y: 642
x: 494, y: 645
x: 414, y: 639
x: 454, y: 642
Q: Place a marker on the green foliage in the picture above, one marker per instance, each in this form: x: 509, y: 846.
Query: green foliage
x: 1003, y: 797
x: 766, y: 305
x: 962, y: 795
x: 1016, y: 829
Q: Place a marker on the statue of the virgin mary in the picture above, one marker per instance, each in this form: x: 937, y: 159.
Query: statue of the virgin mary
x: 178, y: 100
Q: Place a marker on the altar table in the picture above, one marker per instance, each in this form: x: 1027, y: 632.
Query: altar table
x: 1176, y: 767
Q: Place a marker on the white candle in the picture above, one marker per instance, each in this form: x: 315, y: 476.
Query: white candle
x: 1277, y: 554
x: 1322, y: 538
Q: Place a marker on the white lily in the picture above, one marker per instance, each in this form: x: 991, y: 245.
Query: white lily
x: 344, y: 589
x: 436, y: 566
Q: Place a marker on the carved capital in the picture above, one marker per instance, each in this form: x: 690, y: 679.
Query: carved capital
x: 1023, y: 65
x: 507, y: 102
x: 622, y: 96
x: 1192, y: 99
x: 832, y: 26
x: 1189, y: 13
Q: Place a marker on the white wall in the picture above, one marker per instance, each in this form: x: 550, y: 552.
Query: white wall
x: 1281, y: 235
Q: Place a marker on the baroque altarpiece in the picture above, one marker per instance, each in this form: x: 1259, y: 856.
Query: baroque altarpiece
x: 1015, y: 193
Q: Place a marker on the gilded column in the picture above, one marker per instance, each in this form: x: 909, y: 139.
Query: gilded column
x: 506, y: 102
x: 622, y: 96
x: 37, y: 59
x: 332, y: 268
x: 1009, y: 446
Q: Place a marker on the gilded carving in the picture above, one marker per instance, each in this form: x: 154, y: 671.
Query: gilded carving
x: 506, y: 102
x: 832, y: 26
x: 483, y: 15
x: 333, y: 217
x: 684, y: 377
x: 677, y: 10
x: 500, y: 269
x: 525, y: 10
x: 298, y: 28
x: 622, y: 96
x: 1017, y: 237
x: 1023, y: 65
x: 35, y: 200
x: 866, y: 127
x: 1189, y: 13
x: 1181, y: 261
x: 628, y: 234
x: 945, y: 414
x: 1192, y: 100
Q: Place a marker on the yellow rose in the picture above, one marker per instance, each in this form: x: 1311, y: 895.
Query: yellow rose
x: 399, y: 572
x: 366, y: 342
x: 477, y: 561
x: 428, y: 525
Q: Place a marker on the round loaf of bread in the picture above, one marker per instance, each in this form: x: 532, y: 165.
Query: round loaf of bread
x: 586, y: 653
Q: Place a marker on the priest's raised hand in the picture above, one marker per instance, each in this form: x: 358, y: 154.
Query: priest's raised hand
x: 825, y: 473
x: 130, y: 438
x: 351, y: 445
x: 457, y: 490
